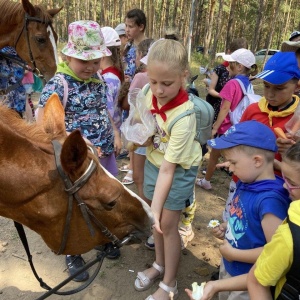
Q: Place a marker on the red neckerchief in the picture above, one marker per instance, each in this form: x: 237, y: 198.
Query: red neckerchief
x: 113, y: 70
x: 178, y: 100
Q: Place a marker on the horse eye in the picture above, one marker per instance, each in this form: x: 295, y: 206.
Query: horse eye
x: 40, y: 40
x: 110, y: 205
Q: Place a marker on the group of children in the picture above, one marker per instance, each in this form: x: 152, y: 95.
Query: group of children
x: 266, y: 181
x: 261, y: 200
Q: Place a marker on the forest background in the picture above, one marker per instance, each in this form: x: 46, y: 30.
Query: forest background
x: 264, y: 23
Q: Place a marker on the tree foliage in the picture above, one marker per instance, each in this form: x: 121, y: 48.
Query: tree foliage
x: 264, y: 23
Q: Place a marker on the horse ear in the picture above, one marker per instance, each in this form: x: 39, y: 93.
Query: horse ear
x: 28, y: 7
x: 54, y: 11
x: 54, y: 116
x: 73, y: 152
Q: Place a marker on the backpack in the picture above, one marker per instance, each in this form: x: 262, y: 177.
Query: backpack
x: 204, y: 117
x: 249, y: 98
x: 291, y: 288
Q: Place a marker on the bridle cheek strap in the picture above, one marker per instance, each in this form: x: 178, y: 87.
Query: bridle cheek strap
x: 72, y: 192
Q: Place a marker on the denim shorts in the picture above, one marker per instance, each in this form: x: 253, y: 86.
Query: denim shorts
x: 182, y: 191
x: 141, y: 150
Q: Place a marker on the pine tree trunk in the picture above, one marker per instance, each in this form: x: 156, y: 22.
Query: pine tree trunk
x: 258, y: 25
x: 217, y: 32
x: 209, y: 25
x: 273, y: 17
x: 230, y: 23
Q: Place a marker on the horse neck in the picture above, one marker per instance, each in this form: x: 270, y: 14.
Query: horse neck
x: 9, y: 30
x: 24, y: 166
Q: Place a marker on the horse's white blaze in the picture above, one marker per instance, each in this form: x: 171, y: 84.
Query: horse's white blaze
x: 52, y: 40
x: 146, y: 207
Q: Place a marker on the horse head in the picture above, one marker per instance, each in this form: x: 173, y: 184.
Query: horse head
x: 28, y: 28
x: 44, y: 205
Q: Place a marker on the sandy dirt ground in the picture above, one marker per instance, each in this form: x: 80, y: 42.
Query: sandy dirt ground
x: 116, y: 277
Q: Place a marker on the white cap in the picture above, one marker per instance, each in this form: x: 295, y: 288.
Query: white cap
x: 111, y: 37
x: 243, y: 56
x: 121, y: 29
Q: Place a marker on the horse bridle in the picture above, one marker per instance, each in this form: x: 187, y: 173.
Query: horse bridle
x: 28, y: 19
x: 72, y: 189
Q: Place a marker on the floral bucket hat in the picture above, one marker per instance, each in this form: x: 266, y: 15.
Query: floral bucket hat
x: 85, y: 41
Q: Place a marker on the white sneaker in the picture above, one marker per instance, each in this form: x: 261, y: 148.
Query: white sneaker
x: 203, y: 184
x: 186, y: 235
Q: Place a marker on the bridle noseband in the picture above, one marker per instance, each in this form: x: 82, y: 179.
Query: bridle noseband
x: 72, y: 189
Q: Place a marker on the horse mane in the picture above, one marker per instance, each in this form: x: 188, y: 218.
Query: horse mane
x: 17, y: 126
x: 10, y: 10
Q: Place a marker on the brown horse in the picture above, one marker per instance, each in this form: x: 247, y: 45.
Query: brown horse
x: 29, y: 30
x: 33, y: 193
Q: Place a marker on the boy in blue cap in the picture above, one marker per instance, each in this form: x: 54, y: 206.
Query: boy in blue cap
x: 259, y: 205
x: 280, y: 77
x: 279, y: 263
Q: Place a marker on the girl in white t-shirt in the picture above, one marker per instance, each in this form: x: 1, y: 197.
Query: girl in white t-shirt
x: 172, y: 161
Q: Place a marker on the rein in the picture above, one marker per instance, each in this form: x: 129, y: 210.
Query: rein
x: 72, y: 189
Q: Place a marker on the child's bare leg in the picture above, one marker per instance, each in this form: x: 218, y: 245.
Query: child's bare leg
x: 168, y: 247
x: 213, y: 160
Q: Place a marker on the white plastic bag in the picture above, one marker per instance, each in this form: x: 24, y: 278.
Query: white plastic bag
x: 293, y: 125
x: 139, y: 125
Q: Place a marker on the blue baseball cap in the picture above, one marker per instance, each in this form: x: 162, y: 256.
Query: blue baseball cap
x: 280, y: 68
x: 248, y: 133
